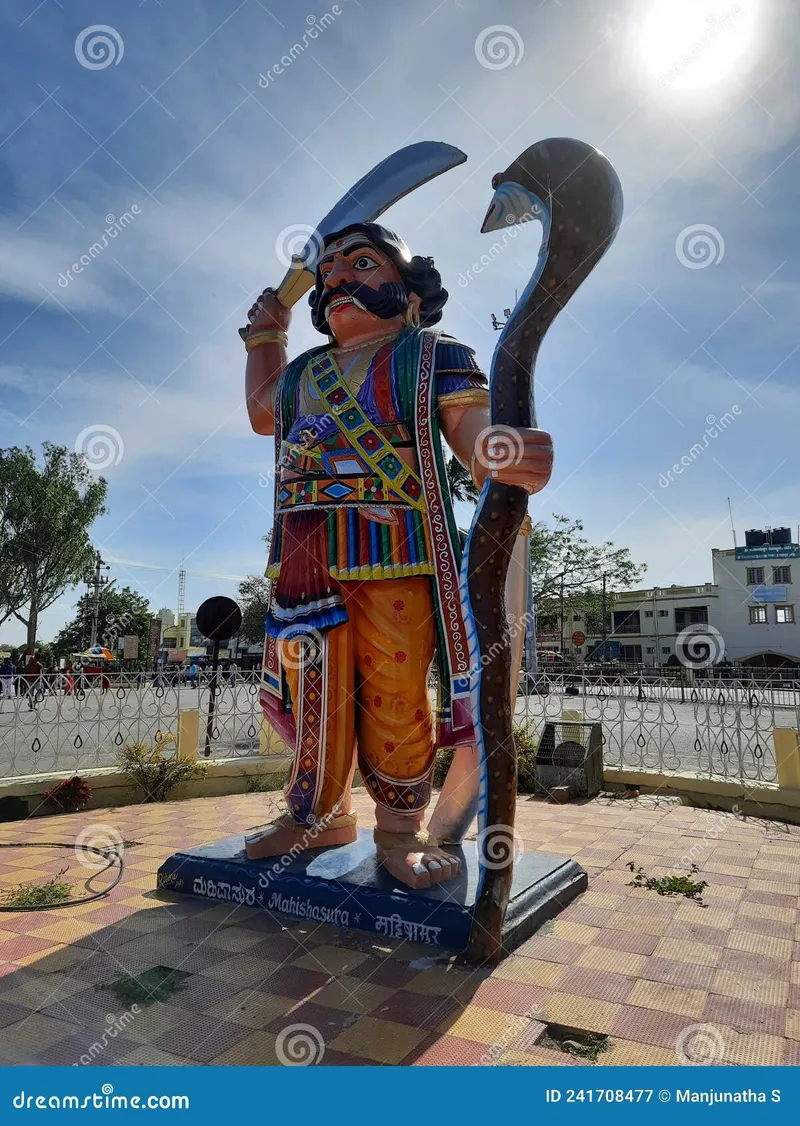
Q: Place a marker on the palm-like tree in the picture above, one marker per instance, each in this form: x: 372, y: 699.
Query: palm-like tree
x: 461, y: 485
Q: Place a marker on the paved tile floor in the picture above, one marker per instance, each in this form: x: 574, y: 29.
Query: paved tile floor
x: 663, y: 978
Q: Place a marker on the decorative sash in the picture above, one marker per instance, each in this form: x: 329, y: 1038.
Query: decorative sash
x: 347, y: 413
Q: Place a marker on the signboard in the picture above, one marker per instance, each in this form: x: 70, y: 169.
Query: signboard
x: 547, y: 638
x: 769, y: 594
x: 769, y: 551
x: 578, y: 638
x: 130, y: 646
x: 176, y: 655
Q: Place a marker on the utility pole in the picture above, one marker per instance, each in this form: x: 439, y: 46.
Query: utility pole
x: 604, y: 613
x: 95, y: 583
x: 561, y: 601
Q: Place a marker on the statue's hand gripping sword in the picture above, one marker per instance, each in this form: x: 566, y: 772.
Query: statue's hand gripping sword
x: 575, y: 193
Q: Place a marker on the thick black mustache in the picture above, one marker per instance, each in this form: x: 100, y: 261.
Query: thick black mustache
x: 388, y: 300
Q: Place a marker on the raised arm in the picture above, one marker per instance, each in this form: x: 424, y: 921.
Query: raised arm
x: 266, y: 342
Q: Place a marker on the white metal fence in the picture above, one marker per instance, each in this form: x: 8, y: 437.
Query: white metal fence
x: 717, y: 729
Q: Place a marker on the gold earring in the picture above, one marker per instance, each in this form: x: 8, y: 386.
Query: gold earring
x: 412, y: 316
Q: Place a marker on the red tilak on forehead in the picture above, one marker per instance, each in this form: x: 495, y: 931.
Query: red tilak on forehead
x: 345, y: 245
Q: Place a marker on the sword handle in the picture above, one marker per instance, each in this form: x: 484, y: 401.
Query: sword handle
x: 297, y: 282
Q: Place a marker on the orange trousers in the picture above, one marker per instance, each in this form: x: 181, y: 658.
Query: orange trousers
x: 366, y: 699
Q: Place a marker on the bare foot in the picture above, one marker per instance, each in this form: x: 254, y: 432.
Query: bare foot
x: 286, y: 836
x: 415, y: 862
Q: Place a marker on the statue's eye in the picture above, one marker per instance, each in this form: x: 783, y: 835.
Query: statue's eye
x: 365, y: 262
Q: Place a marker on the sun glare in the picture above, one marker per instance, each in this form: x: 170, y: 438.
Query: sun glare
x: 695, y: 44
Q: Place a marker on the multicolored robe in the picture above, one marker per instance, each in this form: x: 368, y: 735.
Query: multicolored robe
x: 321, y: 534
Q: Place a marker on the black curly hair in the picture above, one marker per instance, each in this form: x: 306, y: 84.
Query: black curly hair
x: 419, y: 274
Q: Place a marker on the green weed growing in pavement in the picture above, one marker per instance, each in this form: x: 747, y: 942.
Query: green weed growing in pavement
x: 669, y: 885
x: 585, y: 1045
x: 47, y: 894
x: 156, y: 984
x: 155, y: 773
x: 526, y: 744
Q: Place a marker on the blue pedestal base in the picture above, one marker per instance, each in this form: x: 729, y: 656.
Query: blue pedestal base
x: 347, y: 887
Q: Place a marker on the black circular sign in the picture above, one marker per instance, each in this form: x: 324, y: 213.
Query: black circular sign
x: 219, y: 618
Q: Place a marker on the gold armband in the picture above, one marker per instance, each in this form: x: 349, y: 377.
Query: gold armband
x: 526, y: 527
x: 265, y: 336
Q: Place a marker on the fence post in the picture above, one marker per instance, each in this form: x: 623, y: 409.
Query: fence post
x: 188, y: 735
x: 787, y: 757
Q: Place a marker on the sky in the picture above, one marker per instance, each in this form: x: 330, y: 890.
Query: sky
x: 177, y: 126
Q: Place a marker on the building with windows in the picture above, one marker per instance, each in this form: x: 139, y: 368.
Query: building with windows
x: 749, y: 604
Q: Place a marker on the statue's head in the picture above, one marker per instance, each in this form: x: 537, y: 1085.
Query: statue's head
x: 367, y: 282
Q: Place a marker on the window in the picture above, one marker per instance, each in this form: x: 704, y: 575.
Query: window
x: 648, y: 613
x: 663, y: 613
x: 626, y: 621
x: 781, y: 574
x: 632, y: 653
x: 576, y: 618
x: 689, y: 616
x: 755, y: 576
x: 665, y: 649
x: 651, y: 648
x: 784, y: 615
x: 758, y: 615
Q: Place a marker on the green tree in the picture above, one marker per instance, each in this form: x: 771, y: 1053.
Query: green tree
x: 564, y: 562
x: 462, y: 487
x: 121, y: 611
x: 45, y: 515
x: 253, y: 601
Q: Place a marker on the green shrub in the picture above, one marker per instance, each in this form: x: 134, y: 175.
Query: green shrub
x: 526, y: 743
x: 155, y: 773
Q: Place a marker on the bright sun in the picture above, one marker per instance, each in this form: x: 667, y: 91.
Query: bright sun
x: 694, y: 44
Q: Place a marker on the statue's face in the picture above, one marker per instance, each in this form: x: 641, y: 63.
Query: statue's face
x: 354, y: 261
